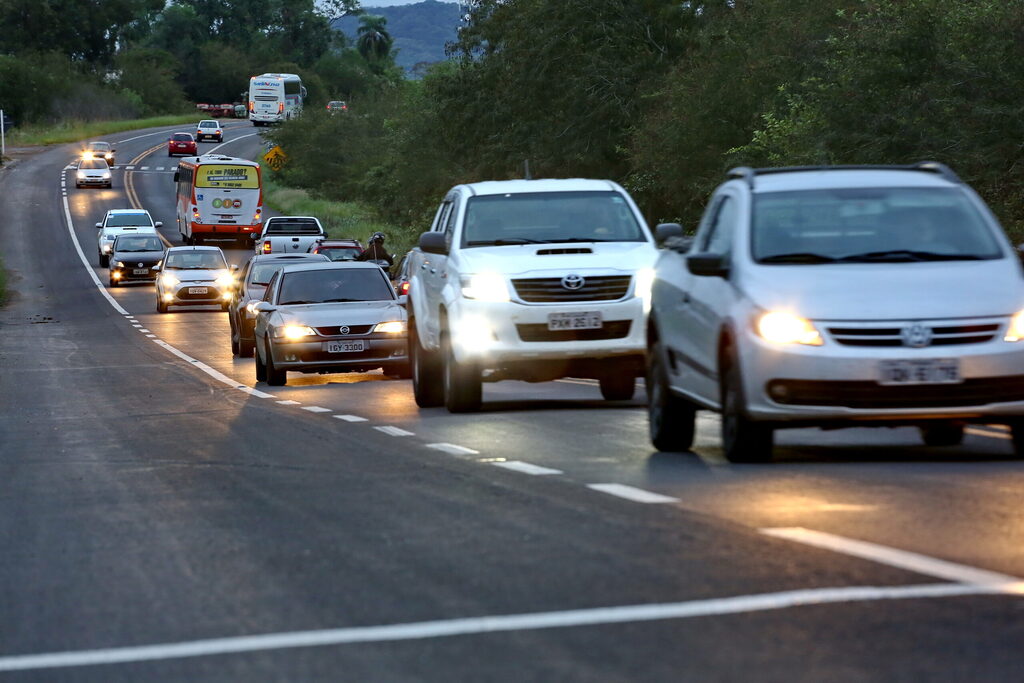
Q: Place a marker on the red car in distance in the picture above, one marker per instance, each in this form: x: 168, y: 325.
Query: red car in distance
x: 181, y: 143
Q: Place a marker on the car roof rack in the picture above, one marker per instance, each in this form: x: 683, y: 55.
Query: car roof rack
x: 747, y: 173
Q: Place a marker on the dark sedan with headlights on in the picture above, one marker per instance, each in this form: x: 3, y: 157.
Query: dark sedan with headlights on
x: 330, y: 317
x: 134, y: 257
x: 251, y: 287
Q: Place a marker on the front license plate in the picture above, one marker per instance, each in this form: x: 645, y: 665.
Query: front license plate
x: 931, y: 371
x: 140, y: 271
x: 343, y: 346
x: 198, y: 290
x: 587, y: 320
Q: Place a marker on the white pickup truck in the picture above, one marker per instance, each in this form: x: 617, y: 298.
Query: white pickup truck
x: 529, y: 280
x: 289, y: 234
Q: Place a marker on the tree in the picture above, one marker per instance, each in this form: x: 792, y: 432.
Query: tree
x: 373, y: 41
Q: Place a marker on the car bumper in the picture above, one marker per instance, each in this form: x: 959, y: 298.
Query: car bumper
x: 833, y: 383
x: 312, y: 356
x: 102, y: 182
x: 495, y: 333
x: 181, y: 296
x: 129, y: 275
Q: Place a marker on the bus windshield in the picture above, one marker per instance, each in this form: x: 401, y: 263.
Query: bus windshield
x: 227, y: 176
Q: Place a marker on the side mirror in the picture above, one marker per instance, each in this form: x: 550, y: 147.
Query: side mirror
x: 433, y: 243
x: 155, y: 269
x: 708, y: 265
x: 99, y: 225
x: 159, y: 224
x: 264, y: 307
x: 176, y: 175
x: 403, y: 300
x: 665, y: 231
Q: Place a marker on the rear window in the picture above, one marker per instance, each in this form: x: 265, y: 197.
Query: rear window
x: 340, y: 253
x: 293, y: 227
x: 182, y: 137
x: 119, y: 220
x: 207, y: 124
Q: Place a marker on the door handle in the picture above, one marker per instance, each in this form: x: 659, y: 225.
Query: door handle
x: 423, y: 266
x: 686, y: 297
x: 433, y: 270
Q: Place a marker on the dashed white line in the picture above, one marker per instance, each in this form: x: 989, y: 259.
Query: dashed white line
x: 350, y: 418
x: 144, y: 168
x: 393, y: 431
x: 129, y: 168
x: 316, y: 409
x: 502, y: 623
x: 632, y: 493
x: 526, y: 468
x: 137, y: 325
x: 151, y: 336
x: 254, y: 392
x: 452, y: 448
x: 143, y: 329
x: 288, y: 403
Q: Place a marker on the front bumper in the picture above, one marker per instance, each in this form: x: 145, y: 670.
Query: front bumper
x: 312, y: 356
x: 92, y: 180
x: 128, y: 274
x: 179, y: 295
x: 835, y: 383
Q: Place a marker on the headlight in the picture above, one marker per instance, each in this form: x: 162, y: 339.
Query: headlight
x: 473, y: 334
x: 120, y: 264
x: 485, y: 287
x: 780, y: 327
x: 106, y: 248
x: 224, y: 281
x: 168, y: 280
x: 1015, y: 332
x: 294, y: 332
x: 392, y: 327
x: 644, y: 282
x: 80, y: 174
x: 106, y: 175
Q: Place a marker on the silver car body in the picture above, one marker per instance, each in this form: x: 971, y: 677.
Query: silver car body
x: 100, y: 176
x: 190, y: 286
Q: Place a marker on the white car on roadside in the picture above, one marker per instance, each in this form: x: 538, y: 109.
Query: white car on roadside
x: 835, y: 297
x: 120, y: 222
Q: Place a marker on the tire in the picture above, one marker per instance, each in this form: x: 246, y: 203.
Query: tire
x: 246, y: 348
x: 161, y: 307
x: 111, y: 282
x: 224, y: 306
x: 104, y: 261
x: 743, y: 440
x: 617, y: 387
x: 942, y: 434
x: 427, y: 372
x: 261, y: 368
x: 463, y: 388
x: 235, y: 337
x: 1017, y: 432
x: 275, y: 376
x: 671, y: 420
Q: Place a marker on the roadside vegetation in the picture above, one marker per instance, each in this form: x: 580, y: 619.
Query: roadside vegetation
x: 70, y: 131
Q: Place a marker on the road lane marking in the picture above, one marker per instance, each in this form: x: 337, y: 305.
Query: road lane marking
x: 502, y: 623
x: 240, y: 137
x: 85, y: 261
x: 985, y: 432
x: 129, y: 168
x: 151, y: 336
x: 216, y: 374
x: 144, y: 168
x: 452, y: 448
x: 136, y: 325
x: 143, y: 329
x: 903, y: 559
x: 316, y: 409
x: 632, y: 493
x: 351, y: 418
x: 394, y: 431
x: 288, y: 403
x: 526, y: 468
x: 254, y: 392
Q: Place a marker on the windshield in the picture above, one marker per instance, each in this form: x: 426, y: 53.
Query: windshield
x: 340, y: 253
x: 99, y: 146
x: 542, y: 217
x: 137, y: 243
x: 869, y: 224
x: 182, y: 137
x: 341, y: 284
x: 120, y: 220
x: 92, y: 164
x: 195, y: 260
x: 207, y: 124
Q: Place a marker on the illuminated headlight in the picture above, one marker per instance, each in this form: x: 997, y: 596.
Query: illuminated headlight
x: 116, y: 275
x: 294, y: 332
x: 485, y: 287
x: 168, y: 297
x: 644, y: 282
x: 108, y: 155
x: 106, y: 175
x: 780, y: 327
x: 224, y: 281
x: 87, y: 155
x: 120, y: 264
x: 81, y: 175
x: 106, y: 248
x: 168, y: 280
x: 1015, y: 332
x: 391, y: 327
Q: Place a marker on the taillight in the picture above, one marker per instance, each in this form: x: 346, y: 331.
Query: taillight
x: 280, y: 107
x: 404, y: 288
x: 195, y: 213
x: 252, y: 105
x: 256, y: 218
x: 266, y: 246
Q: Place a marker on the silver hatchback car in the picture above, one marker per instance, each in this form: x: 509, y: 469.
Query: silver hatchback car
x: 837, y: 296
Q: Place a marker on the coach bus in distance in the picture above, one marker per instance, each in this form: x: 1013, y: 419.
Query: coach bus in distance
x: 274, y: 98
x: 219, y: 197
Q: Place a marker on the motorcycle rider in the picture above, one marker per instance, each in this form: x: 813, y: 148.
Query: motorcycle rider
x: 375, y: 250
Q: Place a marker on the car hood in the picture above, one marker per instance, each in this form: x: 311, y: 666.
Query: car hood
x: 130, y: 257
x: 343, y: 313
x: 914, y: 291
x: 110, y: 233
x: 537, y: 258
x: 196, y: 275
x: 93, y: 171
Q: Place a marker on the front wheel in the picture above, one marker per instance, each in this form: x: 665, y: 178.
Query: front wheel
x: 742, y: 439
x: 261, y: 368
x: 463, y: 388
x: 427, y: 379
x: 942, y: 434
x: 617, y: 387
x: 275, y: 376
x: 161, y: 306
x: 671, y: 420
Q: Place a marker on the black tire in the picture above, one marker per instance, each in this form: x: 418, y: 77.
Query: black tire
x: 161, y: 307
x: 671, y: 420
x: 104, y: 261
x: 742, y: 439
x: 463, y: 388
x: 942, y: 434
x: 235, y: 337
x: 617, y: 387
x: 427, y: 372
x: 111, y: 282
x: 1017, y: 432
x: 261, y: 368
x: 275, y: 376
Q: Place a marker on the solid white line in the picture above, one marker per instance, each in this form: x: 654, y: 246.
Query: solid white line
x: 351, y: 418
x: 317, y: 409
x: 985, y: 432
x: 921, y: 564
x: 85, y: 261
x: 452, y: 448
x: 526, y: 467
x: 240, y: 137
x: 289, y: 403
x: 254, y: 392
x: 393, y: 431
x: 632, y: 493
x: 488, y: 624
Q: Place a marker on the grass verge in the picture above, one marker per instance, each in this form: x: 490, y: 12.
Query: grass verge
x: 71, y: 131
x: 350, y: 220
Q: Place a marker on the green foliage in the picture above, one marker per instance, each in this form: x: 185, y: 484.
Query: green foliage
x: 150, y: 75
x: 71, y: 130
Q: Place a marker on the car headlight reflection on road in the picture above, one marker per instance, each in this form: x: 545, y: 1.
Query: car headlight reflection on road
x: 391, y: 327
x: 294, y: 332
x: 781, y: 327
x: 1015, y: 332
x: 168, y: 280
x: 485, y: 287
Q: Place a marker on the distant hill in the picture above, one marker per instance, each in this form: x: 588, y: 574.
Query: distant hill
x: 420, y: 31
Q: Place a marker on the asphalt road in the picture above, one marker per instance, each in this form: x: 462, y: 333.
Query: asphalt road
x: 164, y: 517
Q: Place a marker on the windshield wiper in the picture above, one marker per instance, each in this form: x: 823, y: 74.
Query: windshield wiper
x: 798, y: 257
x: 503, y: 242
x: 296, y: 303
x: 331, y: 301
x: 908, y: 255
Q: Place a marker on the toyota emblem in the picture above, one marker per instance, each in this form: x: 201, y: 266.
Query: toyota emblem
x: 344, y: 329
x: 573, y: 282
x: 916, y: 335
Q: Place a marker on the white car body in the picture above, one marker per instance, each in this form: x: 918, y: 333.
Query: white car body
x: 209, y: 128
x: 100, y: 177
x: 289, y: 235
x: 141, y: 222
x: 209, y: 286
